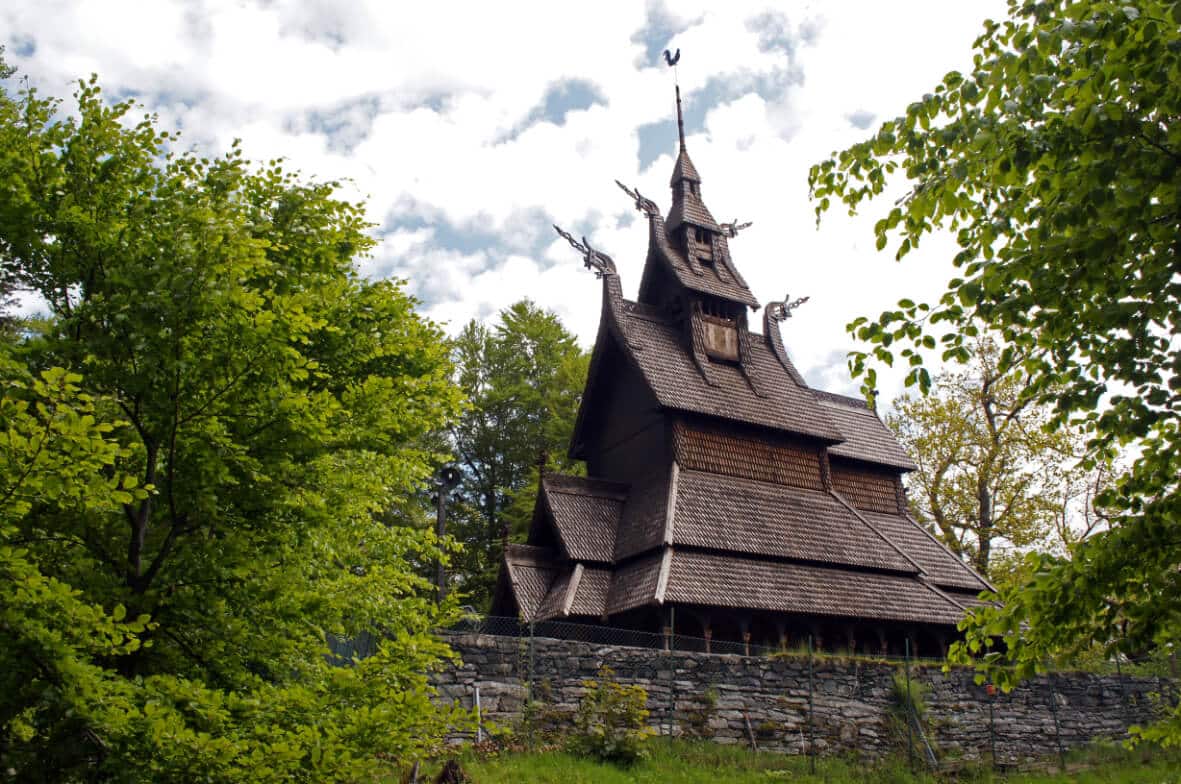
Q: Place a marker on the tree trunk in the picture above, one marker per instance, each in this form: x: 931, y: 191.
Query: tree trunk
x: 984, y: 530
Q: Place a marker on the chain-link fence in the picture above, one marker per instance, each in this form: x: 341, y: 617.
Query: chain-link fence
x: 672, y: 641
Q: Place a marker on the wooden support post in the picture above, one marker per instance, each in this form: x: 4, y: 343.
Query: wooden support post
x: 709, y: 635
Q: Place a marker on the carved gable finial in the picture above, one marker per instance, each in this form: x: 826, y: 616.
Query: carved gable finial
x: 732, y: 228
x: 644, y: 205
x: 595, y: 260
x: 781, y: 311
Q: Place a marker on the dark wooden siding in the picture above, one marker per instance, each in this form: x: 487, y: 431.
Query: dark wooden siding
x: 724, y: 450
x: 628, y: 435
x: 867, y: 488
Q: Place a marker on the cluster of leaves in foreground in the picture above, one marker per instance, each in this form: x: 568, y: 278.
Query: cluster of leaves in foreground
x: 612, y: 721
x: 204, y: 461
x: 1057, y: 163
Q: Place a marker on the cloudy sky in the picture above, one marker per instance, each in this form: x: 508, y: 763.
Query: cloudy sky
x: 470, y: 127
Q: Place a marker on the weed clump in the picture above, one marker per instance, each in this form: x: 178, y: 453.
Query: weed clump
x: 611, y: 724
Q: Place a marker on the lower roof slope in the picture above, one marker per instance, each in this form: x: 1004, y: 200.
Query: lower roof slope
x: 733, y: 581
x: 759, y: 518
x: 746, y: 544
x: 939, y: 564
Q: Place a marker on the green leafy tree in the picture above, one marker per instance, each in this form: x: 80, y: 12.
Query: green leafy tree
x: 989, y: 471
x: 247, y: 407
x: 7, y: 278
x: 1057, y: 163
x: 524, y: 379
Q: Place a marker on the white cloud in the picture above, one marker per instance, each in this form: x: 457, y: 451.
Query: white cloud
x: 414, y: 102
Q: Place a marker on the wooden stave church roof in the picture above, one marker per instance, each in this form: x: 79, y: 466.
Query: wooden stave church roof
x: 619, y: 547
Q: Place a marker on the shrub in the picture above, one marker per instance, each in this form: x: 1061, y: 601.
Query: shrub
x: 612, y: 720
x: 910, y: 708
x: 698, y: 717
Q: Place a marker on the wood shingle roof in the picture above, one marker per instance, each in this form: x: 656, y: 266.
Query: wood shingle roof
x: 694, y: 276
x: 866, y: 437
x: 659, y: 350
x: 740, y: 488
x: 586, y: 514
x: 760, y: 518
x: 748, y: 583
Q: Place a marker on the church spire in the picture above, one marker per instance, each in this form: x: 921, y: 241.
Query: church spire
x: 687, y: 206
x: 680, y: 119
x: 690, y: 245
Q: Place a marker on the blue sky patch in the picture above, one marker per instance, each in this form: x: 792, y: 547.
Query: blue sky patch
x: 23, y: 45
x: 861, y: 119
x: 558, y: 101
x: 660, y: 27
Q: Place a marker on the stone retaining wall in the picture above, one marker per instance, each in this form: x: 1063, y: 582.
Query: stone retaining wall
x: 727, y: 698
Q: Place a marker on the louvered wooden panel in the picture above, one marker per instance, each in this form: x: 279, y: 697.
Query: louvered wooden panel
x: 877, y: 492
x: 748, y: 456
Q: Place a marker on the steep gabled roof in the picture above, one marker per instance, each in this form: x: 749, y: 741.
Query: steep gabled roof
x: 688, y: 206
x: 683, y: 169
x: 866, y: 437
x: 692, y: 276
x: 531, y: 572
x: 585, y: 513
x: 660, y: 352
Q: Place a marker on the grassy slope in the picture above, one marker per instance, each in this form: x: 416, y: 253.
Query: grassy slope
x: 706, y: 763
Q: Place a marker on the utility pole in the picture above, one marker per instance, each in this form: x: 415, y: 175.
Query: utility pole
x: 445, y: 480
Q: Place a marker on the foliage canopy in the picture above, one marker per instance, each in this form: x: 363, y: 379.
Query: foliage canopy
x: 523, y: 377
x: 989, y: 472
x: 196, y: 455
x: 1057, y: 163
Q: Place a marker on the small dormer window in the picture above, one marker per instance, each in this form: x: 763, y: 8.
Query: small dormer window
x: 720, y: 331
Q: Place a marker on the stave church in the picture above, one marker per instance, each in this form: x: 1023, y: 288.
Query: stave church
x: 721, y: 489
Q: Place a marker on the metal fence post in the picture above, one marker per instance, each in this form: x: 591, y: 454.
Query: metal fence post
x: 672, y: 685
x: 811, y: 708
x: 992, y: 724
x: 479, y: 718
x: 909, y: 730
x: 529, y: 693
x: 1123, y: 692
x: 1057, y: 728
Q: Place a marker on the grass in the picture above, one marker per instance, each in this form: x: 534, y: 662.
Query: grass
x: 708, y: 763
